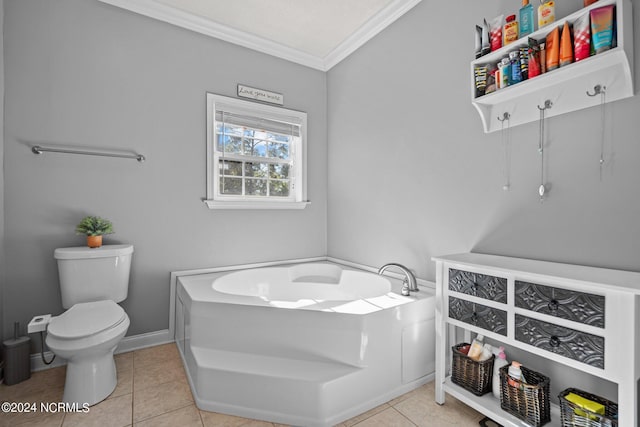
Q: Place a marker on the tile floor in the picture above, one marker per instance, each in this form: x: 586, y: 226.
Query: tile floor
x: 153, y: 391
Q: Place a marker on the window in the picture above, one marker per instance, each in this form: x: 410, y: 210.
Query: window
x: 255, y: 155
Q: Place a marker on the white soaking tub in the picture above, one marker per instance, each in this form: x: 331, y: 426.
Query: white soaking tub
x: 309, y: 344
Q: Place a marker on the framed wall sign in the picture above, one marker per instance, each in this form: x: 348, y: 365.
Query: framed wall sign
x: 260, y: 95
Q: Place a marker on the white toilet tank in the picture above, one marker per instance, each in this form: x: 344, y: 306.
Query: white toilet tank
x: 93, y: 274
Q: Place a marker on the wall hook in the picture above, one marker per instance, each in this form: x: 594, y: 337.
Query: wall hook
x: 505, y: 116
x: 547, y: 104
x: 597, y: 90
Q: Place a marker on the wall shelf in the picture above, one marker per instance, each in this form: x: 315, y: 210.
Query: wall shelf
x: 565, y: 87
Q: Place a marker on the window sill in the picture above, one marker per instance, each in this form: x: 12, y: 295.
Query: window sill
x: 217, y: 204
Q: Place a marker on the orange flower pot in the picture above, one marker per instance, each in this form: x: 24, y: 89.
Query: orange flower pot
x: 94, y: 241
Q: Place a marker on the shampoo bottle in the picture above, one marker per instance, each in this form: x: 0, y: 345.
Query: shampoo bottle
x: 526, y: 19
x: 499, y: 362
x: 487, y: 352
x: 546, y: 13
x: 475, y: 352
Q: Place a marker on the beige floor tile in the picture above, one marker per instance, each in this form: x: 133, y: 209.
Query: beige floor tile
x: 48, y: 378
x: 115, y: 412
x: 371, y: 412
x: 49, y: 420
x: 153, y: 391
x: 159, y: 372
x: 257, y: 423
x: 426, y: 390
x: 125, y: 383
x: 153, y: 401
x: 43, y: 394
x: 160, y: 353
x: 387, y: 418
x: 124, y: 361
x: 211, y: 419
x: 427, y: 413
x: 188, y: 416
x: 215, y: 419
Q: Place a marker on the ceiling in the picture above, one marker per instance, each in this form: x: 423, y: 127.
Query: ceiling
x: 314, y: 33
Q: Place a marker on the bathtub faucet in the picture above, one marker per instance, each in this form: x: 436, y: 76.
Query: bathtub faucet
x: 410, y: 284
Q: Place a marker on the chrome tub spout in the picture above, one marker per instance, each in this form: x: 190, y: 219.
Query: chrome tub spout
x: 410, y: 284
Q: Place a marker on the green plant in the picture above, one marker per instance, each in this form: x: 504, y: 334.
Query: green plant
x: 94, y: 226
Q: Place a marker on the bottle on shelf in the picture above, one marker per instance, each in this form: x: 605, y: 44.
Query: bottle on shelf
x: 516, y: 71
x: 526, y: 19
x: 475, y: 352
x: 546, y: 13
x: 499, y: 362
x: 487, y: 352
x: 516, y: 379
x: 510, y: 30
x: 506, y: 72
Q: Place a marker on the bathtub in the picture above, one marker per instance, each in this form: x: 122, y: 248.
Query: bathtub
x: 307, y: 344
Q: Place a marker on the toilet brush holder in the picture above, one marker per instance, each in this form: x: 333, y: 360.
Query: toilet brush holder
x: 17, y: 364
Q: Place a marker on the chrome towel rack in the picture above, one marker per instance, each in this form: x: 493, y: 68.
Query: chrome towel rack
x: 37, y: 149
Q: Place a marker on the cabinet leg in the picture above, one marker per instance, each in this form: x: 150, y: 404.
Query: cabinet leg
x: 440, y: 373
x: 628, y: 403
x: 441, y: 358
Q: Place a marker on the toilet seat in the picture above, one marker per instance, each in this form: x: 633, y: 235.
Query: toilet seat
x: 86, y: 319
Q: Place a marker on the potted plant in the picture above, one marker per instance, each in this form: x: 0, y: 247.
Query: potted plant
x: 94, y: 228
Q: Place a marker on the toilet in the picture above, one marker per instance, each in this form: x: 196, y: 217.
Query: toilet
x: 92, y: 282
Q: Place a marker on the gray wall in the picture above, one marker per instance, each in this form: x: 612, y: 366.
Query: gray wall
x: 412, y: 175
x: 83, y: 73
x: 2, y: 263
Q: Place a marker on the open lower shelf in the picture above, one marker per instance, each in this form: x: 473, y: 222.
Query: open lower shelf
x: 490, y: 406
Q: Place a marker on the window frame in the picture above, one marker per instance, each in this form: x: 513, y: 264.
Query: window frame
x: 298, y: 186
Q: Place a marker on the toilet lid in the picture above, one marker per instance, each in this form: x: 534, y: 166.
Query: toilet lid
x: 87, y: 318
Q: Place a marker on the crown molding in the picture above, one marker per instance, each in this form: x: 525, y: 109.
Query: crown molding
x: 369, y: 30
x: 171, y: 15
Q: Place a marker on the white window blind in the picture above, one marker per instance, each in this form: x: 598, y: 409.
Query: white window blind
x: 255, y: 155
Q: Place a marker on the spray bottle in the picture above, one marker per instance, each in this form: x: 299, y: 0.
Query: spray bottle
x: 499, y: 362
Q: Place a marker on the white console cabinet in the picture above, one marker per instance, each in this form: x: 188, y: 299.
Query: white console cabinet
x: 583, y: 317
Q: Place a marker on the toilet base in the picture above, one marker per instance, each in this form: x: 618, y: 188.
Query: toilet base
x: 90, y: 380
x: 91, y: 370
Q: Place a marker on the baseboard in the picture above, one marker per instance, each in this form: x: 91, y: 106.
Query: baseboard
x: 130, y: 343
x: 150, y: 339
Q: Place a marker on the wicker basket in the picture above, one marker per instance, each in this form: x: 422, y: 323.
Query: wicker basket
x: 470, y: 374
x: 530, y: 401
x: 573, y: 415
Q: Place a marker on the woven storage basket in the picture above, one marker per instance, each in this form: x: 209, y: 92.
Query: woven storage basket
x: 574, y: 416
x: 470, y: 374
x: 530, y: 401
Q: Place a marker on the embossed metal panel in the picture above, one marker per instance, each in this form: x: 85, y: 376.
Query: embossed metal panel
x: 480, y: 285
x: 479, y: 315
x: 580, y: 307
x: 576, y: 345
